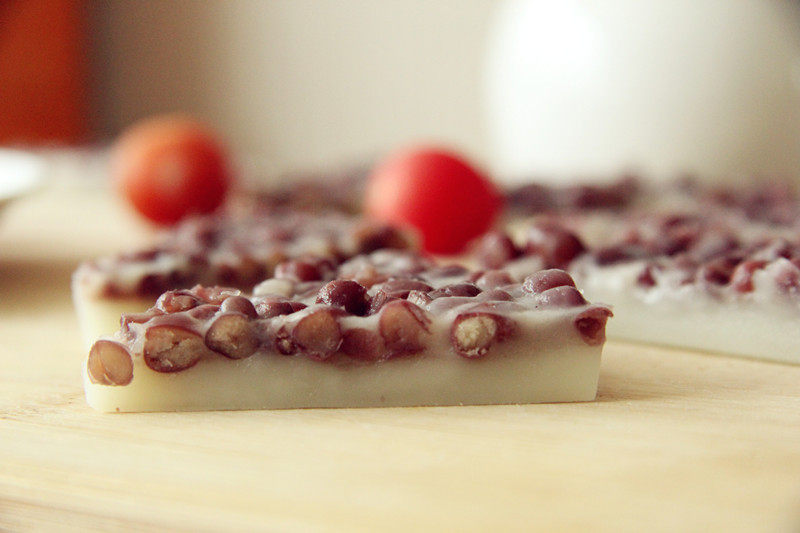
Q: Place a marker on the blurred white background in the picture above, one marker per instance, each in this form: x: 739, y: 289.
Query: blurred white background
x: 585, y: 87
x: 551, y: 89
x: 300, y: 83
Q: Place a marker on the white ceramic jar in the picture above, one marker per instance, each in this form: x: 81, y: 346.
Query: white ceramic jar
x: 593, y: 87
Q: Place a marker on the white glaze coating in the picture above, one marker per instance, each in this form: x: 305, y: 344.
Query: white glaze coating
x: 762, y: 324
x: 546, y: 361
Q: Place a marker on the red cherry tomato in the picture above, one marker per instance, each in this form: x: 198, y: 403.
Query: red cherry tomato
x: 436, y: 192
x: 169, y: 167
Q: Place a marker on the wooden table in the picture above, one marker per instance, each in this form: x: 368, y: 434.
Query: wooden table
x: 676, y: 441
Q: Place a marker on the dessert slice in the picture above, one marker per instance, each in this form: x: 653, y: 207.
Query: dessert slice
x: 744, y: 301
x: 237, y: 249
x: 724, y: 277
x: 385, y: 329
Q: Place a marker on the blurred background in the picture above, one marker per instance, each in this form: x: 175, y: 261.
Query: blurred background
x: 525, y: 87
x: 292, y: 83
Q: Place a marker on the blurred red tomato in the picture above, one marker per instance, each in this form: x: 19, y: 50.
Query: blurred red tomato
x: 436, y: 192
x: 170, y: 167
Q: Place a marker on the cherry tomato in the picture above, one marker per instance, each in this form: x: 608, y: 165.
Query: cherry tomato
x: 436, y: 192
x: 169, y: 167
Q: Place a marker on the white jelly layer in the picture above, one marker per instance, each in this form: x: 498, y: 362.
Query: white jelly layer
x: 99, y: 316
x: 762, y: 324
x: 545, y: 361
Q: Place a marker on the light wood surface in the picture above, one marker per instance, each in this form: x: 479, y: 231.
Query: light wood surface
x: 675, y: 441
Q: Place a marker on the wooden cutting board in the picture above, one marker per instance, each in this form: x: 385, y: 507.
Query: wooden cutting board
x: 676, y: 441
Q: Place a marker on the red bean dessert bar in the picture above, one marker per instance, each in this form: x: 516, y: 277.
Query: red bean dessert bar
x: 704, y: 268
x: 386, y: 329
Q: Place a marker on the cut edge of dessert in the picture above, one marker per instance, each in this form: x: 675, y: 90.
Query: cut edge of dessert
x: 719, y: 274
x: 386, y: 329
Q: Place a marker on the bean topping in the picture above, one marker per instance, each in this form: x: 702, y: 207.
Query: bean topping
x: 109, y: 363
x: 347, y: 294
x: 543, y: 280
x: 591, y: 324
x: 404, y: 327
x: 172, y: 348
x: 232, y: 335
x: 472, y: 334
x: 318, y: 334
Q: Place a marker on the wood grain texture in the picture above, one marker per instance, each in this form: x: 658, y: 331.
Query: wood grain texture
x: 675, y: 442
